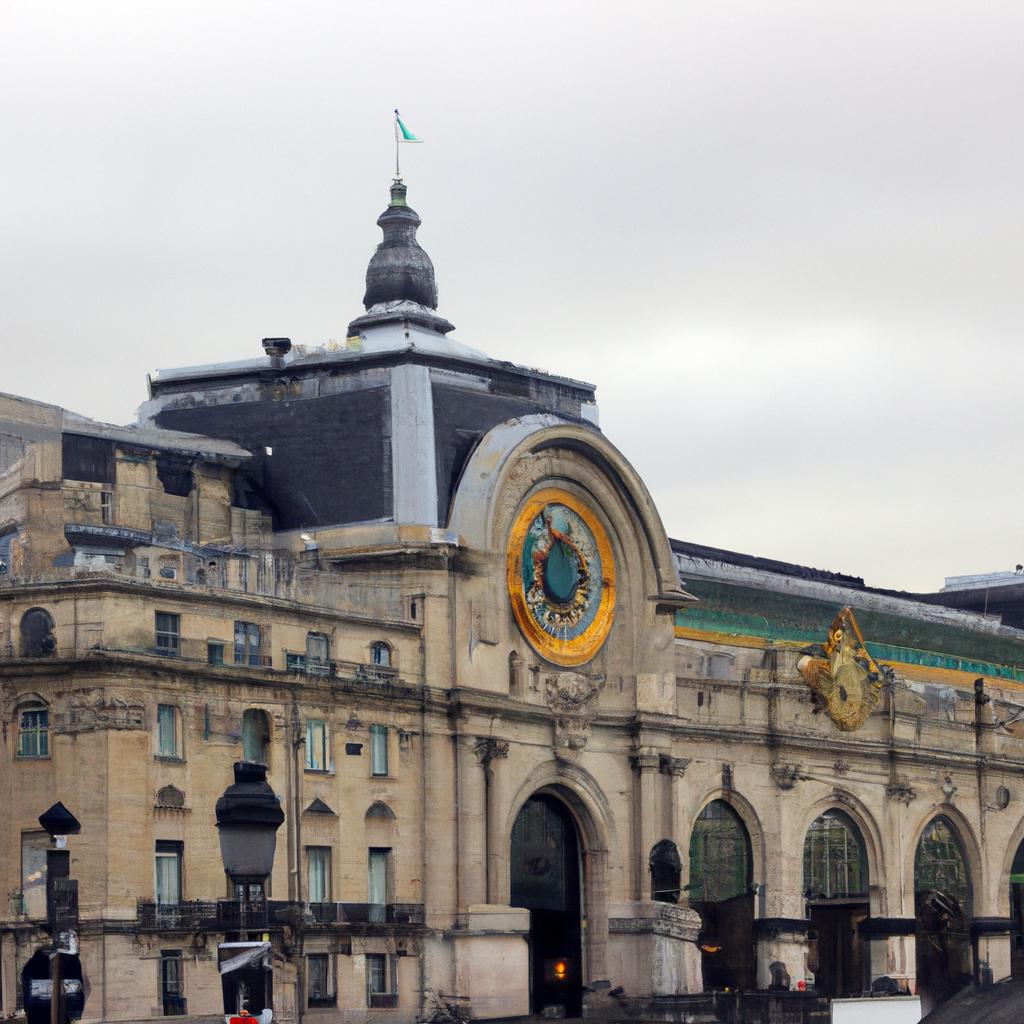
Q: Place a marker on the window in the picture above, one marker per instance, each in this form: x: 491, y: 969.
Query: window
x: 214, y: 652
x: 380, y: 987
x: 319, y: 980
x: 256, y: 736
x: 380, y: 654
x: 379, y: 749
x: 167, y: 731
x: 106, y: 507
x: 33, y: 873
x: 34, y: 730
x: 377, y: 887
x: 168, y: 633
x: 168, y: 872
x: 318, y: 653
x: 835, y: 863
x: 247, y: 643
x: 317, y: 748
x: 294, y: 662
x: 172, y: 987
x: 37, y: 639
x: 318, y: 873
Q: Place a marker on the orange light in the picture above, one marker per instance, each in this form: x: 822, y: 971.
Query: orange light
x: 561, y: 970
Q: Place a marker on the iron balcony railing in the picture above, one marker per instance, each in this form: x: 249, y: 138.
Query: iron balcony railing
x: 233, y: 916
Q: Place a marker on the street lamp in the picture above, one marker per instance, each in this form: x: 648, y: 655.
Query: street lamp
x: 248, y: 817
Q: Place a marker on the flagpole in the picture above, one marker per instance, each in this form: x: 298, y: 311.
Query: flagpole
x: 398, y: 171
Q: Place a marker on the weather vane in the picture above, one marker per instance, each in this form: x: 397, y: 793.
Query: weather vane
x: 402, y: 134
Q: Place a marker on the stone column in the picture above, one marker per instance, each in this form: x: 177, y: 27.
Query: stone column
x: 472, y: 826
x: 890, y: 943
x: 993, y: 945
x: 489, y: 752
x: 673, y: 769
x: 645, y: 813
x: 781, y: 940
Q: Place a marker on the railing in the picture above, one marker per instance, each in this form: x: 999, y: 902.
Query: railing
x: 228, y: 915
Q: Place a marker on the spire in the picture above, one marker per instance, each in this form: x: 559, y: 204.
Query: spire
x: 400, y: 281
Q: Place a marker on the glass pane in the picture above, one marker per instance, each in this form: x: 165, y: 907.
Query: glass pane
x: 165, y: 721
x: 316, y: 744
x: 317, y: 975
x: 376, y: 973
x: 379, y: 749
x: 319, y: 860
x: 719, y: 855
x: 834, y: 860
x: 939, y: 864
x: 378, y: 881
x: 168, y: 875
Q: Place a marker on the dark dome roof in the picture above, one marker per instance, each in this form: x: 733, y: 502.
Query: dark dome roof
x: 400, y: 270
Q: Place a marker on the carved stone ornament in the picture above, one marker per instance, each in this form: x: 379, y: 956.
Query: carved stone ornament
x: 785, y: 776
x: 95, y: 710
x: 948, y: 789
x: 487, y: 748
x: 901, y: 791
x: 571, y: 734
x: 569, y: 692
x: 675, y: 766
x: 844, y: 677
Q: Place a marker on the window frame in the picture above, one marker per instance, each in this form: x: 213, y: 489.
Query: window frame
x: 387, y: 996
x: 379, y: 752
x: 244, y: 651
x: 169, y: 849
x: 38, y: 732
x: 167, y: 641
x: 215, y: 652
x: 329, y: 997
x: 324, y: 750
x: 382, y: 654
x: 324, y: 856
x: 168, y: 957
x: 175, y: 754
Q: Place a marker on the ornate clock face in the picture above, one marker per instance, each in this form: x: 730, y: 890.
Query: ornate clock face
x: 561, y: 577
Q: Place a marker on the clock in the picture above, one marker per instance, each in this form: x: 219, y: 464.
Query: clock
x: 561, y: 577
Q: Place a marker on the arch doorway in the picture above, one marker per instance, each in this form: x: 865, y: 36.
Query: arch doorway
x: 1017, y: 912
x: 546, y: 878
x: 836, y: 890
x: 942, y: 905
x: 721, y: 892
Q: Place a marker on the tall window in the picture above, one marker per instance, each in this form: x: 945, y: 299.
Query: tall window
x: 172, y: 983
x: 377, y: 889
x: 168, y: 633
x: 835, y: 863
x: 106, y: 507
x: 379, y: 749
x: 380, y: 989
x: 34, y: 730
x: 319, y: 980
x: 37, y: 639
x: 318, y: 653
x: 719, y: 855
x: 256, y: 736
x: 167, y: 731
x: 317, y: 749
x: 318, y: 869
x: 247, y: 643
x: 380, y: 654
x: 168, y: 872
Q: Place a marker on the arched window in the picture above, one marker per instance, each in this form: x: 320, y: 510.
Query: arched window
x: 34, y: 730
x: 940, y: 871
x: 835, y: 863
x: 666, y: 869
x: 380, y: 654
x: 719, y: 854
x: 256, y: 736
x: 37, y: 639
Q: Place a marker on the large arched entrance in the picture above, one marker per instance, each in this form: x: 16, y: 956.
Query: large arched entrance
x: 1017, y: 912
x: 836, y: 890
x: 942, y: 905
x: 721, y: 892
x: 545, y: 877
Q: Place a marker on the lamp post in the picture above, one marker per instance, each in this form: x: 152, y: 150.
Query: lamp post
x: 248, y: 817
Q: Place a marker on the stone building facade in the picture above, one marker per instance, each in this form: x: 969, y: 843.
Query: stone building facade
x: 532, y: 754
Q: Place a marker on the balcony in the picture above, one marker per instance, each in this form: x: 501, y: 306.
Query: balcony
x: 231, y: 916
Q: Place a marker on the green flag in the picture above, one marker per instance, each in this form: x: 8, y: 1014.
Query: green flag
x: 402, y: 134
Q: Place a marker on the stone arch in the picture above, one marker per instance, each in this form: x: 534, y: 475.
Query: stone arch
x: 846, y: 803
x: 380, y: 822
x: 977, y: 878
x: 751, y: 821
x: 487, y: 473
x: 1000, y: 899
x: 589, y: 808
x: 170, y: 797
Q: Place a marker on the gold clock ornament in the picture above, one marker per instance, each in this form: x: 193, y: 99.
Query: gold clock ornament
x: 845, y: 678
x: 561, y: 577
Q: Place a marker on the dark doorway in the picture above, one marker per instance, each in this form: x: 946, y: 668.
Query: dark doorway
x: 836, y: 890
x: 1017, y: 912
x: 942, y: 901
x: 545, y: 870
x: 721, y: 891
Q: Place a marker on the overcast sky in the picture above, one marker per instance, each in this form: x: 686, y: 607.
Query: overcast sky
x: 785, y: 240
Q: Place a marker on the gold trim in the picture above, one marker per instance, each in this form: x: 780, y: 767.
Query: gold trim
x: 583, y: 647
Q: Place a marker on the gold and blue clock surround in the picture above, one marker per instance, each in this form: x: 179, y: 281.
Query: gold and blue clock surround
x: 561, y: 577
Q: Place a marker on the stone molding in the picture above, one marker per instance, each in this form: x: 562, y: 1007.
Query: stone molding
x: 659, y: 919
x: 885, y: 926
